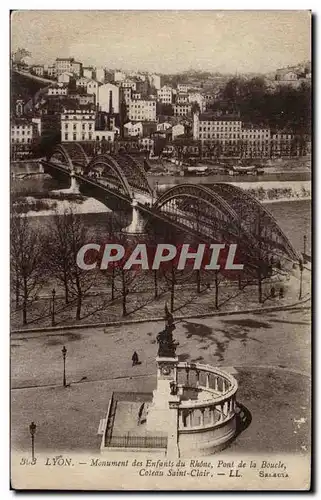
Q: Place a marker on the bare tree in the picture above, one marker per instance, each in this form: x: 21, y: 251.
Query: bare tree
x: 68, y: 236
x: 26, y: 262
x: 58, y: 252
x: 216, y: 283
x: 80, y: 281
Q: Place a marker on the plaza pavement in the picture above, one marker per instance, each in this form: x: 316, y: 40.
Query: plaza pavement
x: 269, y: 355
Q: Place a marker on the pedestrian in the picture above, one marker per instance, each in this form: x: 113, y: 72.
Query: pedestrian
x: 135, y: 358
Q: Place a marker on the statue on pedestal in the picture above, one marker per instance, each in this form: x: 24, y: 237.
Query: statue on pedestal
x: 166, y: 344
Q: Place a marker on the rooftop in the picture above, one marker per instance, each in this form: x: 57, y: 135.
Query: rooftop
x: 214, y: 117
x: 21, y: 121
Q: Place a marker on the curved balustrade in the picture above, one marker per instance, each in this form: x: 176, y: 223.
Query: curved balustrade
x: 207, y: 408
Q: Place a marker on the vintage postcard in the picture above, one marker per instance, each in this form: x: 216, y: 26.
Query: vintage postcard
x: 160, y: 250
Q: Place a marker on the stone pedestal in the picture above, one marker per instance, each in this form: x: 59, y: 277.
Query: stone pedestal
x: 74, y: 186
x: 159, y: 413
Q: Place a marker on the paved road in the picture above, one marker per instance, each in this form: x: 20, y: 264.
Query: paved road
x: 269, y: 353
x: 275, y: 339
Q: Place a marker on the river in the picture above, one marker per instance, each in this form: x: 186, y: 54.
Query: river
x: 294, y: 217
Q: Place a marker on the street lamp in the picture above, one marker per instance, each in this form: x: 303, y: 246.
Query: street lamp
x: 32, y: 428
x: 53, y: 307
x: 64, y: 352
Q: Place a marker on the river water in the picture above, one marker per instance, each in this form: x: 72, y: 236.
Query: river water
x: 294, y: 217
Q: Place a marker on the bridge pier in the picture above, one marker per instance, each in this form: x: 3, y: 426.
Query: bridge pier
x: 137, y: 225
x: 74, y: 185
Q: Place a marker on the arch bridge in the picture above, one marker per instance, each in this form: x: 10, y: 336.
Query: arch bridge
x: 120, y: 171
x: 221, y: 213
x: 227, y: 213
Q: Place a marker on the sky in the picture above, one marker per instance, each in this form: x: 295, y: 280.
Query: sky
x: 166, y: 41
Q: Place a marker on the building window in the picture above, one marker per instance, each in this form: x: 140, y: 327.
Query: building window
x: 74, y: 136
x: 66, y: 137
x: 75, y: 126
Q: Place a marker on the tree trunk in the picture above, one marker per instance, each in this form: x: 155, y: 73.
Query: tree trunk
x: 24, y: 312
x: 17, y: 295
x: 66, y: 291
x: 113, y: 284
x: 198, y: 281
x: 259, y: 285
x: 216, y: 289
x: 240, y: 281
x: 124, y: 294
x: 155, y: 284
x: 24, y: 303
x: 172, y: 290
x: 79, y: 303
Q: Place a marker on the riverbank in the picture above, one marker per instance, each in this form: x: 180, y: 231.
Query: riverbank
x: 55, y: 202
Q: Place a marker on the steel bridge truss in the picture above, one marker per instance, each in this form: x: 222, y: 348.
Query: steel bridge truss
x: 226, y: 214
x: 122, y: 171
x: 70, y: 155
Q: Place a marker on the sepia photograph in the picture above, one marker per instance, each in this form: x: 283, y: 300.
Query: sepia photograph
x: 160, y: 250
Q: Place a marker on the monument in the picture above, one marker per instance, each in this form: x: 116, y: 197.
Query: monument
x: 192, y: 411
x: 165, y: 395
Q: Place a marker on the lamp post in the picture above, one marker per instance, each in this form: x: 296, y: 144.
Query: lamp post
x: 301, y: 272
x: 32, y: 428
x: 53, y: 307
x: 64, y: 352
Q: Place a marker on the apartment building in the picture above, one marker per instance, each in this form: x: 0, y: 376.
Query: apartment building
x: 129, y: 84
x: 23, y: 131
x: 88, y: 72
x: 165, y: 94
x: 282, y: 144
x: 142, y: 110
x: 38, y: 69
x: 255, y: 141
x: 182, y: 109
x: 212, y: 128
x: 182, y: 98
x: 182, y: 87
x: 133, y: 129
x: 57, y: 90
x: 146, y: 144
x: 52, y: 71
x: 119, y: 76
x: 65, y: 77
x: 69, y: 65
x: 105, y: 135
x: 92, y: 88
x: 78, y: 124
x: 125, y: 94
x: 76, y: 68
